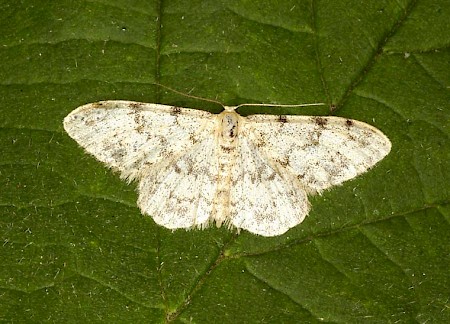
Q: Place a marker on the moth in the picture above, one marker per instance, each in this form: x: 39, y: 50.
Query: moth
x: 195, y: 168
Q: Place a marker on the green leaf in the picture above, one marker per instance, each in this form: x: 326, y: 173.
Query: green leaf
x: 75, y: 246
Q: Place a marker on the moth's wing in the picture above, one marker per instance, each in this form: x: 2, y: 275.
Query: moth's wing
x: 263, y: 199
x: 180, y: 192
x: 129, y: 136
x: 320, y: 151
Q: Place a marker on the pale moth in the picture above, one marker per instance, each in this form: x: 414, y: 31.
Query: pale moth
x: 196, y: 168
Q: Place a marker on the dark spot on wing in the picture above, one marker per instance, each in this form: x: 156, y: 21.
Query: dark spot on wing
x: 314, y: 138
x: 283, y: 162
x: 271, y: 176
x: 192, y: 139
x: 139, y: 119
x: 282, y: 119
x: 162, y: 140
x: 175, y: 111
x: 190, y: 167
x: 349, y: 122
x: 226, y: 149
x: 118, y: 154
x: 320, y: 121
x: 140, y: 129
x: 260, y: 143
x: 135, y: 105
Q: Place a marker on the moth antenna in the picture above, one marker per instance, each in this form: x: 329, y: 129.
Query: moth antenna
x: 241, y: 105
x: 277, y: 105
x: 189, y: 96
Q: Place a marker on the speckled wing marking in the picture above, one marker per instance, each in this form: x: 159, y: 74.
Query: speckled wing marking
x: 264, y: 199
x: 180, y: 192
x: 320, y: 152
x: 195, y: 168
x: 168, y: 149
x: 131, y: 136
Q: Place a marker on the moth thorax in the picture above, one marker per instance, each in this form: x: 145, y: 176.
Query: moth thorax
x: 229, y: 126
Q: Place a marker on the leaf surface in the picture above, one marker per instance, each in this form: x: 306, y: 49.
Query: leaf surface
x: 75, y: 246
